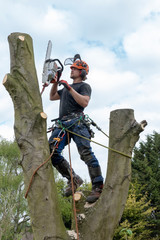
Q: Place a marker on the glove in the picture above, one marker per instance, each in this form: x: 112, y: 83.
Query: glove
x: 65, y: 84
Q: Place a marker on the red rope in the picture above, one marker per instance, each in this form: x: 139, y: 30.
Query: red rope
x: 30, y: 183
x: 43, y: 89
x: 74, y: 205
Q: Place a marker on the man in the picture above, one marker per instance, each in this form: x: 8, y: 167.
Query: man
x: 74, y: 99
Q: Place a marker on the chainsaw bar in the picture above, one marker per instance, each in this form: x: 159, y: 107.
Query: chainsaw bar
x: 50, y: 66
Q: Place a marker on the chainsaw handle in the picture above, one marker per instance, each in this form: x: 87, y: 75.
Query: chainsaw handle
x: 54, y: 60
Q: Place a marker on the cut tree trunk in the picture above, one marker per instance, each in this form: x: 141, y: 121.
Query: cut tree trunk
x: 98, y: 221
x: 102, y: 218
x: 30, y: 133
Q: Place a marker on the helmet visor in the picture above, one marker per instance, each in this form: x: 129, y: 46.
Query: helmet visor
x: 69, y: 61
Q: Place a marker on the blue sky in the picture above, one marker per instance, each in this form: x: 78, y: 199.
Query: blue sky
x: 120, y: 41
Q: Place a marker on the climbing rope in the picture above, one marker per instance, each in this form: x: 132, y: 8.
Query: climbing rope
x: 74, y: 205
x: 113, y: 150
x: 94, y: 124
x: 87, y: 118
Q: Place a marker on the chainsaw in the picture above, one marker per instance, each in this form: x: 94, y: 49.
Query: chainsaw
x: 51, y: 67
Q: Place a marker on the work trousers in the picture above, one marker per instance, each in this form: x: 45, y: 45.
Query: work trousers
x: 83, y: 145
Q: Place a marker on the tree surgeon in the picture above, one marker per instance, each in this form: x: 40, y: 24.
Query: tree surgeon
x: 74, y: 98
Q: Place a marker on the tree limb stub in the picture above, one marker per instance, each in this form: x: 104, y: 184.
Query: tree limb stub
x: 4, y: 79
x: 43, y: 115
x: 143, y: 124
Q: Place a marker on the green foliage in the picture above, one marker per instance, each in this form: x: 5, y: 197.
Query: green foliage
x: 125, y: 233
x: 86, y: 186
x: 146, y: 171
x: 142, y: 211
x: 64, y: 203
x: 135, y: 222
x: 14, y: 218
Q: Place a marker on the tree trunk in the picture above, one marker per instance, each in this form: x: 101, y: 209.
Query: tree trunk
x: 124, y: 133
x: 100, y: 219
x: 30, y: 134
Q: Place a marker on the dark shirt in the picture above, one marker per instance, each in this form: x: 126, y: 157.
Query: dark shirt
x: 67, y: 103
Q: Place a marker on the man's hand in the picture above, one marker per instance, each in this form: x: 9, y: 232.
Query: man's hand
x: 65, y: 84
x: 55, y: 79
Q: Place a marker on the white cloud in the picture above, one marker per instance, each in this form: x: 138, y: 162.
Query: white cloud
x: 144, y: 44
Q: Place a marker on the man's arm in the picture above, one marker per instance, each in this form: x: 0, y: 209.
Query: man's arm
x: 53, y: 93
x: 80, y: 99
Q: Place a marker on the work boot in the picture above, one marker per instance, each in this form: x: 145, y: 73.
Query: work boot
x: 97, y: 183
x: 64, y: 169
x: 77, y: 181
x: 95, y: 193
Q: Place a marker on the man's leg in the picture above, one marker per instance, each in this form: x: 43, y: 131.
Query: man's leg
x: 61, y: 164
x: 95, y: 173
x: 91, y: 161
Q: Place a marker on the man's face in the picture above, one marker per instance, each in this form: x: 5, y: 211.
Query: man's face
x: 75, y: 73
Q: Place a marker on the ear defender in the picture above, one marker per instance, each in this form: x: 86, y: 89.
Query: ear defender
x: 83, y: 74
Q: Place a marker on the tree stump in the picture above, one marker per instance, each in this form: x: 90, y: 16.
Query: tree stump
x: 101, y: 219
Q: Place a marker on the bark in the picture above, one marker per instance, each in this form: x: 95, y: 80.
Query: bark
x: 30, y: 134
x: 101, y: 219
x: 97, y: 221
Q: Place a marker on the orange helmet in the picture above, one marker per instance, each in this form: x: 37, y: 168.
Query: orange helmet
x: 81, y: 65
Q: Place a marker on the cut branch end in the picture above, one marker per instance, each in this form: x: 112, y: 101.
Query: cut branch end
x: 77, y: 196
x: 143, y: 124
x: 4, y: 79
x: 43, y: 115
x: 22, y: 38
